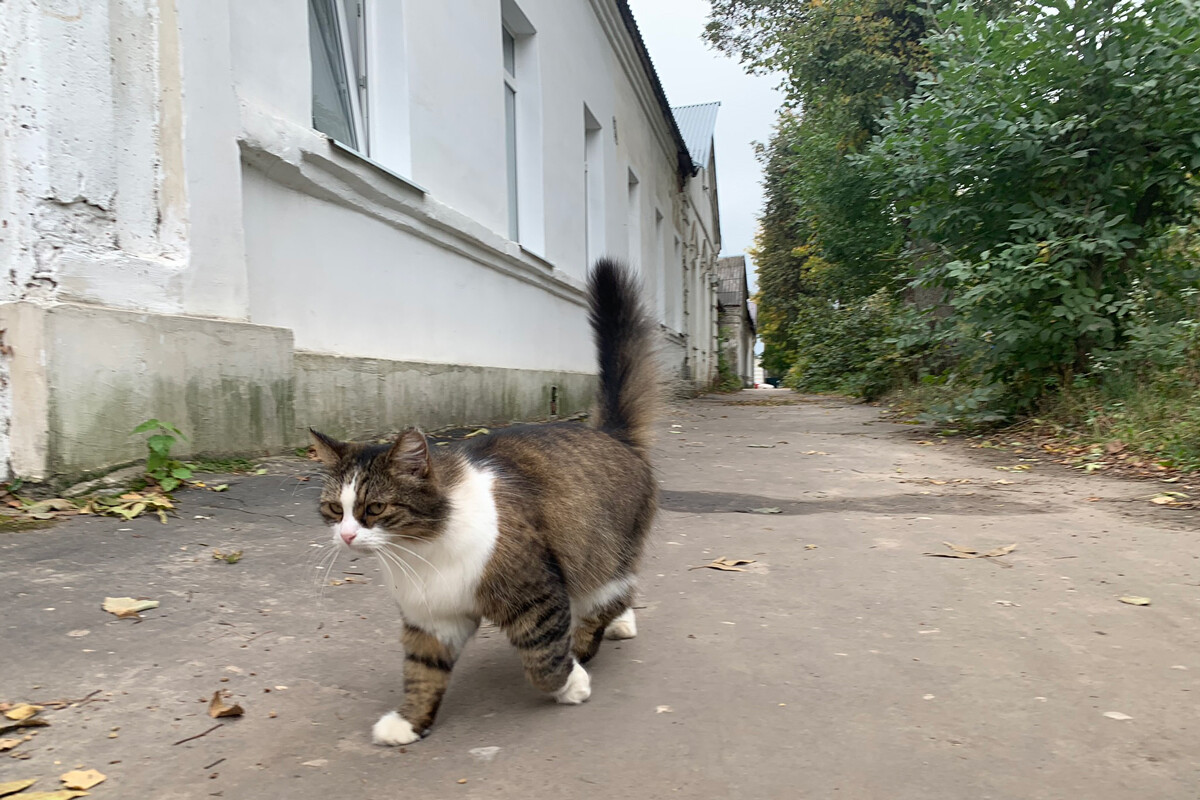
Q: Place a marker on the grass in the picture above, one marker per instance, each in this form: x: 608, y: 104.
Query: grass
x: 223, y: 466
x: 1156, y: 416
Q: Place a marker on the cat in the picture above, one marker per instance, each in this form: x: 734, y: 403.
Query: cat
x: 538, y: 528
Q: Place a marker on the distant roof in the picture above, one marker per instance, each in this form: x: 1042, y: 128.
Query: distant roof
x: 686, y: 164
x: 697, y: 124
x: 731, y: 280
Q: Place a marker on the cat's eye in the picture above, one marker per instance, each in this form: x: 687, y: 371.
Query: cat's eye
x: 335, y: 508
x: 375, y: 509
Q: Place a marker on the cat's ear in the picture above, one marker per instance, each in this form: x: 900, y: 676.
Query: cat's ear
x: 329, y: 451
x: 410, y: 454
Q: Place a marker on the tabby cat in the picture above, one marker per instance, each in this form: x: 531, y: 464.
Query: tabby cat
x: 538, y: 528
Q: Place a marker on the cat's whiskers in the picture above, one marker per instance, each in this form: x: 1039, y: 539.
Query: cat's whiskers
x: 333, y: 554
x: 386, y: 555
x: 416, y: 555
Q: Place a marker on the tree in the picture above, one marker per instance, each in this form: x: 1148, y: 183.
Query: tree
x: 1046, y: 158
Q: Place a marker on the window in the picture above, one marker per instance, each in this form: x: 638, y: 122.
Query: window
x: 593, y: 186
x: 660, y: 266
x: 521, y: 73
x: 633, y: 223
x: 338, y: 46
x: 510, y: 131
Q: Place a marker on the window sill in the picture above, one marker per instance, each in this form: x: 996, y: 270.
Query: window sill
x: 347, y: 149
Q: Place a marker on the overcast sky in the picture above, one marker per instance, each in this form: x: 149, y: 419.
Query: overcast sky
x: 692, y: 72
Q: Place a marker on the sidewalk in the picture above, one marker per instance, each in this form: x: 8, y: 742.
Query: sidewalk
x: 840, y: 663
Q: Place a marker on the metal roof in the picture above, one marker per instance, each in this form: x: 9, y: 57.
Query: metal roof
x: 731, y: 280
x: 697, y: 124
x: 686, y: 164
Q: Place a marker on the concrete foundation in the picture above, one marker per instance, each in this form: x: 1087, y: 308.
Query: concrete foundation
x: 81, y: 377
x: 358, y: 397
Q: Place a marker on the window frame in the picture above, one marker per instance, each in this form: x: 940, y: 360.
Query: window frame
x: 508, y: 46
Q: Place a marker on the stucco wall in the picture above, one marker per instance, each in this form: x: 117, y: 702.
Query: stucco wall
x: 173, y: 227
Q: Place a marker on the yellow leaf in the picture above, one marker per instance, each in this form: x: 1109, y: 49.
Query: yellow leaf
x: 217, y: 708
x: 12, y: 787
x: 1133, y: 600
x: 23, y: 711
x: 127, y: 606
x: 82, y: 779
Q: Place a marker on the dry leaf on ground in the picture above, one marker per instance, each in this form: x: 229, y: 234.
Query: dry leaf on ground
x: 8, y: 744
x: 49, y: 509
x: 12, y: 787
x: 125, y: 607
x: 763, y: 446
x: 23, y: 711
x: 1134, y: 600
x: 767, y: 510
x: 60, y: 794
x: 82, y: 778
x: 217, y: 707
x: 1117, y: 715
x: 958, y: 551
x: 725, y: 564
x: 35, y: 722
x: 231, y: 557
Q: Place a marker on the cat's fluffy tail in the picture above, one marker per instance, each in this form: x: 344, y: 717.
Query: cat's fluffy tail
x: 629, y: 385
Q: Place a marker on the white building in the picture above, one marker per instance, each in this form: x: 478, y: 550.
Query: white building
x: 179, y: 240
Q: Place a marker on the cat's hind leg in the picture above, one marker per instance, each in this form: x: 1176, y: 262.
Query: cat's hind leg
x: 428, y: 661
x: 605, y: 613
x: 623, y: 626
x: 540, y: 629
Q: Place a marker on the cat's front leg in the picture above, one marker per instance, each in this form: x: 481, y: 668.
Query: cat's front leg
x: 428, y: 660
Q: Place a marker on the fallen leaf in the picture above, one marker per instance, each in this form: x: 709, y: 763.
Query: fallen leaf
x: 53, y: 506
x: 260, y: 471
x: 958, y: 551
x: 8, y: 744
x: 217, y: 707
x: 663, y: 710
x: 480, y: 432
x: 229, y: 558
x: 725, y: 564
x: 811, y: 546
x: 767, y: 510
x: 125, y: 607
x: 82, y: 779
x: 1134, y: 600
x: 35, y: 722
x: 61, y: 794
x: 763, y: 446
x: 316, y: 762
x: 1117, y: 715
x: 1008, y: 603
x: 12, y: 787
x: 23, y: 711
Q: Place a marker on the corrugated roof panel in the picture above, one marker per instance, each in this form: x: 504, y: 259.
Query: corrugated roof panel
x: 697, y: 124
x: 731, y: 280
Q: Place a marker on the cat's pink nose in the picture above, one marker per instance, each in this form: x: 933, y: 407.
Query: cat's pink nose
x: 348, y: 538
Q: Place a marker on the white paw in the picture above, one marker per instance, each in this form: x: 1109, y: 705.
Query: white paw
x: 577, y: 688
x: 393, y: 730
x: 623, y: 627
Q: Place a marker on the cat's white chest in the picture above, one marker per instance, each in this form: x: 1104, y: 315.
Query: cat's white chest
x: 437, y: 583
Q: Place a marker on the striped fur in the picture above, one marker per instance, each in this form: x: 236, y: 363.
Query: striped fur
x: 538, y: 528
